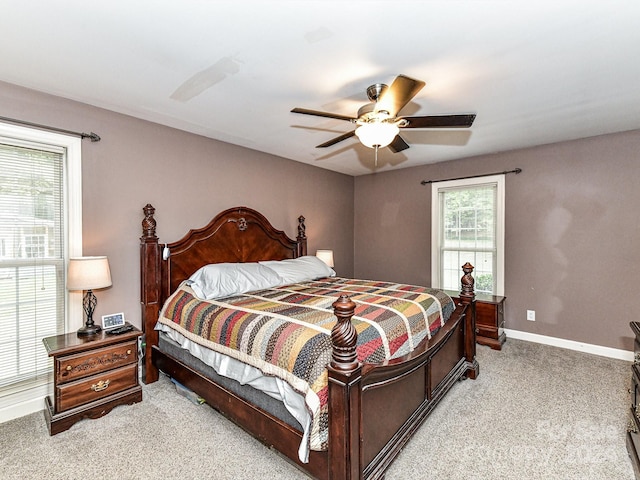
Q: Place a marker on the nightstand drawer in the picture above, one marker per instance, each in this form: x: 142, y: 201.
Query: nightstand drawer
x: 489, y: 315
x: 92, y: 362
x: 78, y: 393
x: 486, y: 330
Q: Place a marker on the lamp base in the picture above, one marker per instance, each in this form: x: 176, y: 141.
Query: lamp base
x: 89, y: 303
x: 89, y: 330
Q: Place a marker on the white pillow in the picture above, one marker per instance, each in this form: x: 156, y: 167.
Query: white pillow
x: 219, y: 280
x: 301, y: 269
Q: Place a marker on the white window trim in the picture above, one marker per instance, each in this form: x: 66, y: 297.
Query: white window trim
x: 436, y: 225
x: 23, y: 402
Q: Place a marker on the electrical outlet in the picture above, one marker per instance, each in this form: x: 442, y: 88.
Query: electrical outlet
x: 531, y: 315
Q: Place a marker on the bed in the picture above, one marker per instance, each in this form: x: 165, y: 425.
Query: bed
x: 371, y: 409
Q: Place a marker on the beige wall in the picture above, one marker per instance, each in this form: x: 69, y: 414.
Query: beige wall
x: 188, y: 178
x: 572, y: 230
x: 571, y: 220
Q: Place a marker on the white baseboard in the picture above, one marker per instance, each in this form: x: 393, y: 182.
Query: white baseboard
x: 22, y: 403
x: 571, y: 345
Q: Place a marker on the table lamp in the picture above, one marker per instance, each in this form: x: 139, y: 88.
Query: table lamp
x: 326, y: 256
x: 88, y: 273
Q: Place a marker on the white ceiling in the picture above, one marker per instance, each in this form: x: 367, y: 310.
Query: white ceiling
x: 534, y: 72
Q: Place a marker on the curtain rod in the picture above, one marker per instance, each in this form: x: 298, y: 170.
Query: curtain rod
x: 93, y: 136
x: 515, y: 170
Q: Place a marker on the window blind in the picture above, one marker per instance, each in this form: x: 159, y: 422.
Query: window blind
x: 469, y: 235
x: 32, y: 252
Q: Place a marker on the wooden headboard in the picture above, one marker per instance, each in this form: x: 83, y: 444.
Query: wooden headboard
x: 239, y: 234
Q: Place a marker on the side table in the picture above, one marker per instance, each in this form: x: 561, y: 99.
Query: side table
x: 489, y: 319
x: 92, y: 375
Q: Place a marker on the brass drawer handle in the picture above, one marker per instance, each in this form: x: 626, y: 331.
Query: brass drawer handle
x: 129, y: 352
x: 69, y: 368
x: 101, y: 385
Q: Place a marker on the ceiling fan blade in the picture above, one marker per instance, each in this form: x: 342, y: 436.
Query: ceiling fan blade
x: 398, y: 144
x: 342, y: 137
x: 440, y: 121
x: 323, y: 114
x: 399, y: 93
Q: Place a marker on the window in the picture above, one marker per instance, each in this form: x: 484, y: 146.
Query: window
x: 35, y: 246
x: 468, y: 226
x: 40, y: 215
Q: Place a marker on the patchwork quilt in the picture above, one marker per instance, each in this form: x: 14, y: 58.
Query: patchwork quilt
x: 286, y: 331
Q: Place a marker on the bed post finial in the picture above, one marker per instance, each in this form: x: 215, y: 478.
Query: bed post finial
x: 302, y: 237
x: 149, y: 223
x: 467, y: 294
x: 344, y: 336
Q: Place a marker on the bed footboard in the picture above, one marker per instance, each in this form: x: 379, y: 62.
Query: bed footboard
x: 375, y: 409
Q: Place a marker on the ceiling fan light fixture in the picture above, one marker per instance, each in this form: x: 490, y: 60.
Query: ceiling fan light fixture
x: 377, y: 134
x: 379, y: 121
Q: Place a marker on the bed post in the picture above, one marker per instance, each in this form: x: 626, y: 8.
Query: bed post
x: 468, y: 297
x: 149, y: 290
x: 302, y: 237
x: 345, y: 392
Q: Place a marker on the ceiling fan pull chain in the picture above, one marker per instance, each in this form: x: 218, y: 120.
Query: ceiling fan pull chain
x: 376, y: 164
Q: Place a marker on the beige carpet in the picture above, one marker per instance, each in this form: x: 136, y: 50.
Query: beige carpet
x: 535, y: 412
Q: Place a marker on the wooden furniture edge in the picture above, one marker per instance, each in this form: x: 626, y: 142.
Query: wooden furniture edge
x: 632, y: 438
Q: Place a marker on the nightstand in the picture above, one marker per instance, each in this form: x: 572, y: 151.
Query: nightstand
x: 91, y: 375
x: 489, y: 319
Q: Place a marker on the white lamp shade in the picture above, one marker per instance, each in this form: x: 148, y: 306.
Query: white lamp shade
x: 378, y: 134
x: 326, y: 256
x: 88, y: 273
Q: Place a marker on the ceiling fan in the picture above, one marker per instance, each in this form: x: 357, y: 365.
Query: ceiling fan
x: 378, y: 122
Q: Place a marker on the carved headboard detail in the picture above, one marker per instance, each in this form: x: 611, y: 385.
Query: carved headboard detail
x: 239, y: 234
